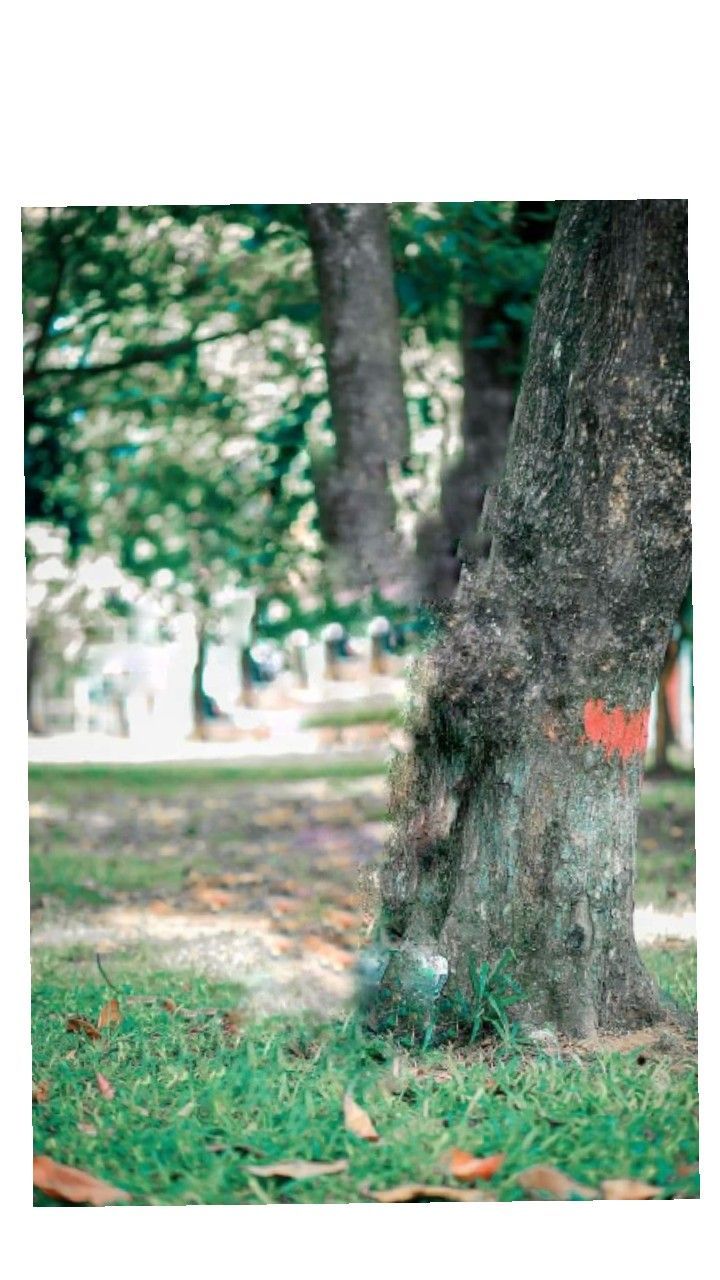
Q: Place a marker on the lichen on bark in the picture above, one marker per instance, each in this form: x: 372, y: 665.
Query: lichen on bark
x: 515, y: 813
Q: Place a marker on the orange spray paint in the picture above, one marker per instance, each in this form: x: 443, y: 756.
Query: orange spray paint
x: 617, y: 730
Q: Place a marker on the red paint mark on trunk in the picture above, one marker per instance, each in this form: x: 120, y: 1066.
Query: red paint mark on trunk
x: 618, y: 730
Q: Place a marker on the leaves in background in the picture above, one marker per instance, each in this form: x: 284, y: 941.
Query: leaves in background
x: 628, y: 1189
x: 105, y: 1087
x: 74, y: 1186
x: 296, y: 1169
x: 82, y: 1026
x: 357, y: 1121
x: 422, y: 1191
x: 109, y: 1015
x: 468, y: 1168
x: 544, y: 1177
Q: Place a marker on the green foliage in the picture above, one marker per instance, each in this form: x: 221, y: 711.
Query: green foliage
x: 490, y: 253
x: 141, y: 432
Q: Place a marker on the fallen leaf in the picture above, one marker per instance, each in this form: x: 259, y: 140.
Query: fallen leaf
x: 109, y: 1015
x: 232, y: 1022
x: 41, y: 1091
x: 468, y: 1168
x: 214, y: 899
x: 628, y: 1189
x: 686, y: 1170
x: 281, y: 816
x: 82, y: 1026
x: 340, y: 920
x: 337, y: 957
x: 74, y: 1186
x: 296, y: 1168
x: 105, y: 1087
x: 420, y: 1191
x: 543, y: 1177
x: 170, y: 1005
x: 159, y: 908
x: 89, y: 1129
x: 357, y: 1121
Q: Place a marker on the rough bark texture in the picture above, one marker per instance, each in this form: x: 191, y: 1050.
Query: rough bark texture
x: 351, y: 252
x: 516, y: 811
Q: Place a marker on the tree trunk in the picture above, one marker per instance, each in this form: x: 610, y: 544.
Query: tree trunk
x: 489, y: 393
x: 351, y: 251
x: 34, y: 663
x: 663, y: 724
x: 198, y: 692
x: 248, y: 693
x: 516, y: 811
x: 488, y: 399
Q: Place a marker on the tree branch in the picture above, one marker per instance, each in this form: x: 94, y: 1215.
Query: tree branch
x: 136, y: 355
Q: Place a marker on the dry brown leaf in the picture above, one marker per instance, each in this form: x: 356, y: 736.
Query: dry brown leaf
x: 214, y: 899
x: 105, y: 1087
x: 296, y: 1168
x: 357, y: 1121
x: 109, y: 1015
x: 340, y: 920
x: 170, y: 1005
x: 469, y: 1168
x: 232, y: 1022
x: 159, y: 908
x: 337, y: 957
x: 628, y: 1189
x: 74, y: 1186
x: 41, y: 1091
x: 543, y: 1177
x: 421, y: 1191
x: 82, y: 1026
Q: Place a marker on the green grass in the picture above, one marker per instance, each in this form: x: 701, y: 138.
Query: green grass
x: 347, y: 717
x: 194, y: 1108
x: 53, y: 780
x: 77, y: 878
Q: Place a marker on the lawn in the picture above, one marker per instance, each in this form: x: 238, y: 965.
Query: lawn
x: 207, y: 1087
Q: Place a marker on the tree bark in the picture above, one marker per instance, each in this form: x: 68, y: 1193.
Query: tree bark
x: 198, y: 692
x: 34, y: 662
x: 351, y: 252
x: 663, y: 724
x: 515, y: 813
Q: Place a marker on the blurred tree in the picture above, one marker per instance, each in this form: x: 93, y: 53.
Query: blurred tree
x: 353, y: 264
x: 516, y: 812
x: 471, y: 271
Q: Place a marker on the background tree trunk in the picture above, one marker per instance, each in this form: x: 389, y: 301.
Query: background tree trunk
x: 34, y: 662
x: 664, y: 735
x: 351, y: 252
x: 198, y: 692
x: 516, y: 812
x: 489, y: 393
